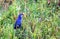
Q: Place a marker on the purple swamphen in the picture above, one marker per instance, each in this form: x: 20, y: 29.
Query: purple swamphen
x: 18, y: 22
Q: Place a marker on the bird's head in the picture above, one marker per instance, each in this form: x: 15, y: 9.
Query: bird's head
x: 22, y: 15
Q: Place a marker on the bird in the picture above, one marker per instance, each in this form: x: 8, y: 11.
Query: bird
x: 18, y: 22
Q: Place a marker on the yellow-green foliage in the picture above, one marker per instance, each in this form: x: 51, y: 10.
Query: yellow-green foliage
x: 42, y: 21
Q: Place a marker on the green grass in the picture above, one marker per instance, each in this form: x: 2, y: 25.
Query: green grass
x: 42, y: 21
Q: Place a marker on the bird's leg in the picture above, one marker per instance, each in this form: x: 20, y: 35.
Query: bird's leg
x: 59, y: 3
x: 48, y: 2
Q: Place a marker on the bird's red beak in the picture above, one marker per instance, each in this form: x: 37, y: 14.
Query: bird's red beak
x: 24, y: 15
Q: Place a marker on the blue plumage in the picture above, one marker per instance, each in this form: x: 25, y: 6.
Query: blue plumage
x: 18, y: 22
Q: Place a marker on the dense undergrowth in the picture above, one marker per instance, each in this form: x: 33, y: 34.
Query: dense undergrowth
x: 42, y: 21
